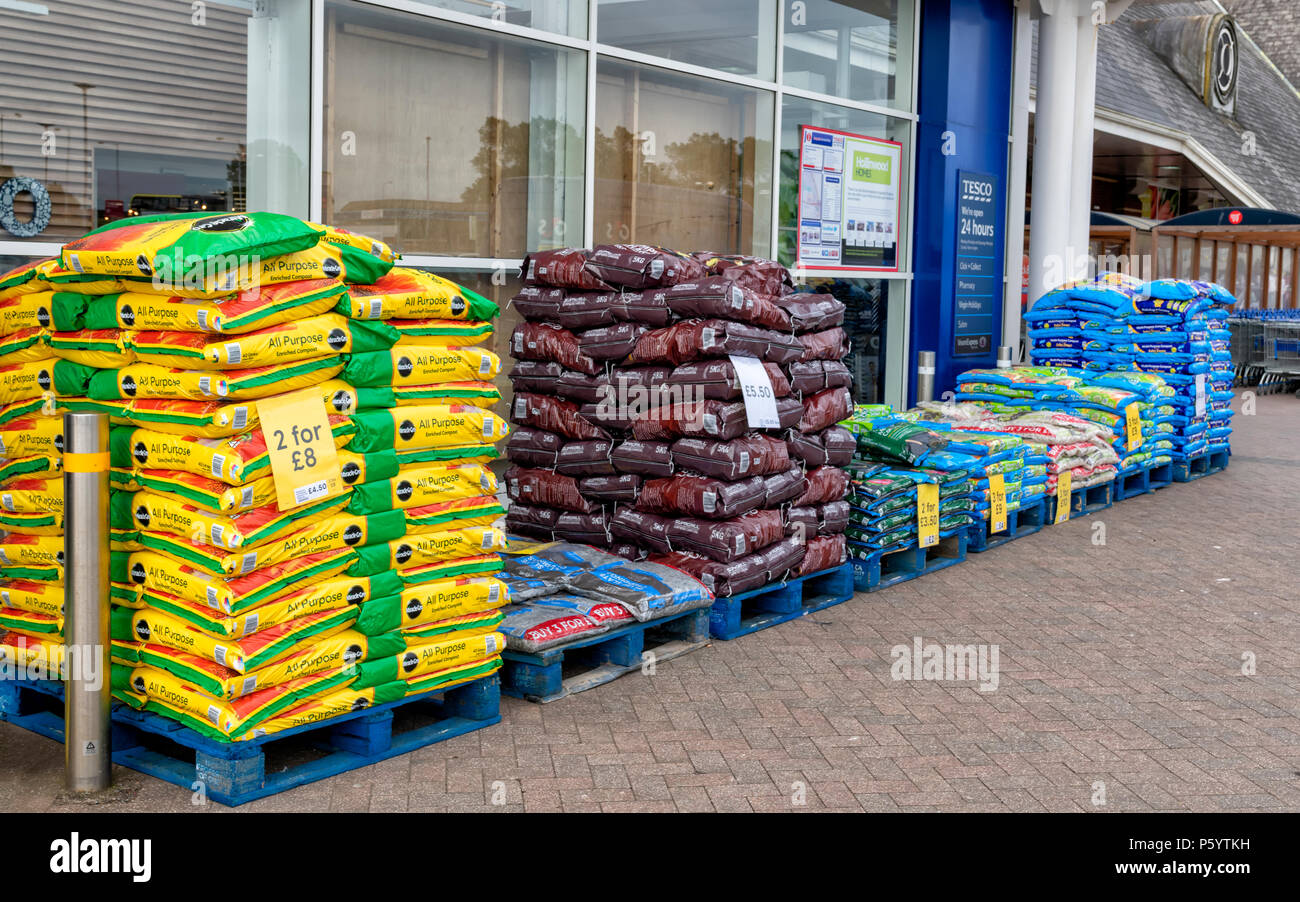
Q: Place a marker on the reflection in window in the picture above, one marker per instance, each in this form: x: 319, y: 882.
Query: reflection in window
x: 448, y: 140
x: 867, y: 303
x: 851, y: 49
x: 682, y: 161
x: 736, y: 36
x: 559, y: 16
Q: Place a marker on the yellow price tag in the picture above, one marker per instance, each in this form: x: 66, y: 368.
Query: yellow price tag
x: 1064, y: 483
x: 1133, y: 427
x: 304, y: 462
x: 997, y: 503
x: 927, y: 514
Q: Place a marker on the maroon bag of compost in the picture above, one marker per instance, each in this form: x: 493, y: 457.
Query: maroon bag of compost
x: 779, y: 488
x: 825, y: 409
x: 647, y: 307
x: 553, y: 415
x: 546, y: 488
x: 726, y: 540
x: 565, y: 268
x: 543, y: 341
x: 812, y: 376
x: 722, y: 420
x: 716, y: 297
x: 638, y: 266
x: 616, y: 419
x: 755, y: 273
x: 611, y: 342
x: 701, y: 496
x: 825, y: 484
x: 753, y: 571
x: 586, y: 529
x: 585, y: 310
x: 642, y: 528
x: 822, y: 553
x: 739, y: 458
x: 716, y: 380
x: 831, y: 344
x: 534, y: 447
x: 587, y: 458
x: 538, y: 376
x: 702, y: 339
x: 627, y: 550
x: 652, y: 459
x: 621, y: 489
x: 832, y: 517
x: 580, y: 386
x: 801, y: 522
x: 538, y: 302
x: 532, y: 520
x: 812, y: 312
x: 830, y: 447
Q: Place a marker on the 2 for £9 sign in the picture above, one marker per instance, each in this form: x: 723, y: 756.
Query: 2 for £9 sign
x: 300, y: 443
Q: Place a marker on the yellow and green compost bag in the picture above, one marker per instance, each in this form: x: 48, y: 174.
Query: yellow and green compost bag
x: 419, y: 486
x: 24, y: 279
x: 441, y: 680
x: 207, y: 419
x: 99, y: 348
x: 48, y: 523
x: 461, y: 333
x: 32, y: 653
x: 257, y: 307
x: 437, y: 547
x: 60, y: 279
x: 340, y: 397
x: 162, y: 512
x: 323, y: 706
x: 420, y: 456
x: 339, y: 531
x: 359, y: 469
x: 236, y: 461
x: 30, y: 622
x: 24, y: 381
x: 148, y: 380
x: 152, y: 570
x: 420, y: 365
x: 176, y: 248
x: 44, y: 406
x: 329, y: 595
x: 32, y: 597
x: 49, y: 466
x: 201, y: 491
x: 25, y: 345
x: 433, y: 603
x: 406, y: 293
x: 482, y: 510
x: 426, y: 426
x: 467, y: 624
x: 428, y: 657
x: 27, y: 436
x: 478, y: 394
x: 32, y: 551
x: 344, y: 238
x: 32, y: 496
x: 291, y: 342
x: 26, y: 311
x: 243, y: 654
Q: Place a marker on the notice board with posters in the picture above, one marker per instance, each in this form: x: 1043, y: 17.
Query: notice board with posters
x: 849, y: 201
x: 975, y: 263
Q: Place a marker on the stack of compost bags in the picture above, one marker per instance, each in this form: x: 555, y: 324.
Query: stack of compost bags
x: 31, y: 479
x: 631, y: 424
x: 232, y: 614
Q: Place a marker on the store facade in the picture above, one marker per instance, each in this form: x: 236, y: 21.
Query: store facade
x: 469, y: 133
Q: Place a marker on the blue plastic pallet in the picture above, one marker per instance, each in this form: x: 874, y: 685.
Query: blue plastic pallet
x: 233, y: 773
x: 1131, y: 483
x: 1160, y: 477
x: 1204, y: 464
x: 539, y: 677
x: 748, y: 612
x: 1084, y: 501
x: 882, y: 571
x: 1025, y: 521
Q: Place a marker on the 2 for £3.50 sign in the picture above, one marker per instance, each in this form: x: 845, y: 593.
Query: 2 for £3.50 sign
x: 299, y: 441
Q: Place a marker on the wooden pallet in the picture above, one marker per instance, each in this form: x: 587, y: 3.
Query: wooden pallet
x: 1024, y: 521
x: 748, y: 612
x: 882, y: 571
x: 586, y: 663
x: 233, y: 773
x: 1084, y: 501
x: 1206, y: 464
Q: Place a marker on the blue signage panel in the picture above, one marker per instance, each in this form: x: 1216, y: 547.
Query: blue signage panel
x: 976, y: 263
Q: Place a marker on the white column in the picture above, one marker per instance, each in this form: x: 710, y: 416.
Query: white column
x: 1049, y: 235
x: 1017, y: 164
x: 279, y: 111
x: 1085, y: 95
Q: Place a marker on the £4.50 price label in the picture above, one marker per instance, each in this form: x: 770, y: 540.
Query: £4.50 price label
x: 997, y: 503
x: 1064, y: 485
x: 927, y: 514
x: 304, y: 463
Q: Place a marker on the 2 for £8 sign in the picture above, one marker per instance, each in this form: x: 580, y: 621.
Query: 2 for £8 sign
x: 300, y: 443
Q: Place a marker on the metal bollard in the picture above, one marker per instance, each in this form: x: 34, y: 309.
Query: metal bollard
x: 1004, y: 357
x: 88, y: 760
x: 925, y: 375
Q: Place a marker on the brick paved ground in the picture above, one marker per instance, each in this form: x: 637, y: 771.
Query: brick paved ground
x: 1120, y: 665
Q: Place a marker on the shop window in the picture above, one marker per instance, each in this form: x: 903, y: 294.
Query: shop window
x: 450, y: 140
x: 865, y: 320
x: 133, y: 106
x: 682, y: 161
x: 1257, y: 271
x: 735, y: 36
x: 856, y: 49
x: 1241, y: 288
x: 568, y: 17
